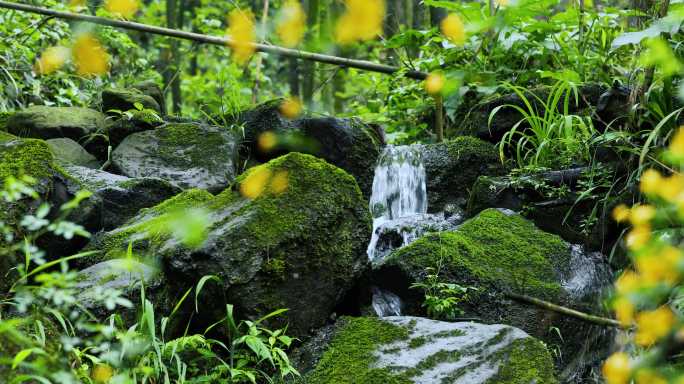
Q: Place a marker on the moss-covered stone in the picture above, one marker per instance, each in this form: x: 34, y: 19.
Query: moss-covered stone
x: 380, y: 351
x: 298, y: 247
x: 190, y: 155
x: 453, y: 166
x: 26, y: 157
x: 4, y: 137
x: 491, y: 250
x: 55, y: 122
x: 67, y: 151
x: 126, y: 99
x: 4, y: 116
x: 347, y: 143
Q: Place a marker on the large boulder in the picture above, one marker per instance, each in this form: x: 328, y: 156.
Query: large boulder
x: 347, y: 143
x: 299, y: 244
x: 412, y: 350
x: 500, y: 253
x: 189, y: 155
x: 42, y: 122
x: 132, y: 122
x: 453, y: 167
x: 70, y: 152
x: 122, y: 100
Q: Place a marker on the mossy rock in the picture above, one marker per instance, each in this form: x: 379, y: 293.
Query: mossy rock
x: 300, y: 248
x: 43, y: 122
x: 151, y: 88
x: 189, y: 155
x: 29, y: 157
x: 124, y: 99
x: 453, y: 167
x: 130, y: 123
x: 412, y: 350
x: 499, y: 252
x: 68, y: 151
x: 349, y: 144
x: 4, y: 137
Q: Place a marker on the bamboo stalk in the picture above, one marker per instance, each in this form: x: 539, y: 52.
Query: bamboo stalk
x: 564, y: 310
x: 215, y: 40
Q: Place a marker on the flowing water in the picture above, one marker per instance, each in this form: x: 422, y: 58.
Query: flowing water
x: 398, y: 189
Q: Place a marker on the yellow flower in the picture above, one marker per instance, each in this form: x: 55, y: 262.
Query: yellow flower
x: 647, y: 376
x: 654, y: 269
x: 267, y: 141
x: 651, y: 181
x: 102, y: 373
x: 242, y: 35
x: 672, y: 188
x: 642, y: 214
x: 677, y: 144
x: 122, y: 8
x: 616, y: 369
x: 361, y: 21
x: 291, y: 107
x: 51, y: 60
x: 638, y: 237
x: 434, y: 83
x: 627, y: 282
x: 77, y: 3
x: 453, y: 29
x: 291, y: 23
x: 280, y: 182
x: 653, y: 325
x: 255, y: 182
x: 90, y: 56
x: 624, y: 311
x: 621, y: 213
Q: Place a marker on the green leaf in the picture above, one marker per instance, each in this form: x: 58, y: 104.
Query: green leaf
x: 21, y: 356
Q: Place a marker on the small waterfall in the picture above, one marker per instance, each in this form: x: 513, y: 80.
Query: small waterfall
x: 385, y: 303
x: 398, y: 189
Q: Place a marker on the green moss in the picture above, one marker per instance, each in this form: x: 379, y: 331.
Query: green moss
x: 528, y: 362
x: 349, y: 357
x: 492, y: 249
x: 4, y: 137
x: 466, y: 146
x: 192, y: 135
x: 25, y: 157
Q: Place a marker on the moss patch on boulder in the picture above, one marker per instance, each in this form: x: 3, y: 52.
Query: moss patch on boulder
x: 124, y: 99
x: 43, y: 122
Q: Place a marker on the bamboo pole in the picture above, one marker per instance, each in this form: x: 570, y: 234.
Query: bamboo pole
x: 215, y: 40
x: 564, y: 310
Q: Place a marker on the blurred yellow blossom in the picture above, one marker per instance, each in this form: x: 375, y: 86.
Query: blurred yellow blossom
x: 621, y: 213
x: 677, y: 144
x: 51, y: 60
x: 672, y: 188
x: 90, y: 56
x: 453, y: 28
x: 624, y: 311
x: 434, y: 83
x: 267, y: 141
x: 627, y: 282
x: 651, y: 180
x: 122, y: 8
x: 661, y: 267
x: 638, y: 237
x: 255, y: 183
x: 77, y: 3
x: 102, y: 373
x: 280, y: 182
x: 291, y: 23
x: 291, y: 107
x: 642, y: 214
x: 617, y: 370
x: 242, y: 34
x: 361, y: 21
x: 653, y: 325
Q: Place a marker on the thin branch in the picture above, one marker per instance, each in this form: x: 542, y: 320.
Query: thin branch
x: 223, y: 41
x: 564, y: 310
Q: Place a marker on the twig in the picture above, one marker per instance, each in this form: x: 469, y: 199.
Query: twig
x: 564, y: 310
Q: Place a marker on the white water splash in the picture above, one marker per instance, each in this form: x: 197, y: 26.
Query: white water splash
x: 399, y: 188
x: 385, y: 303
